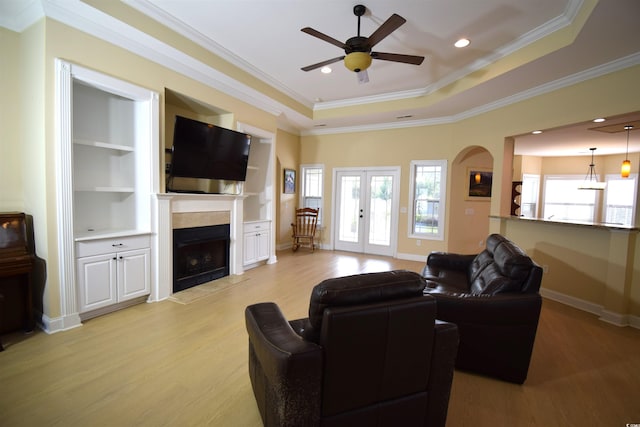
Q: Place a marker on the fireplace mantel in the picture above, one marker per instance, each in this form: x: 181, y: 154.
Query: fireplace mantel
x: 170, y: 203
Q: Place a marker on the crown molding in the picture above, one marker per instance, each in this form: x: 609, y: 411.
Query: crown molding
x: 19, y: 15
x: 601, y: 70
x: 560, y: 22
x: 85, y: 18
x: 149, y: 9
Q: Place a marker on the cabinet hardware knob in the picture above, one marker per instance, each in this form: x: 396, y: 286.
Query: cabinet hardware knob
x: 117, y: 245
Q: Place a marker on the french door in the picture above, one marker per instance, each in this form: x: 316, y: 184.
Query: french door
x: 366, y: 208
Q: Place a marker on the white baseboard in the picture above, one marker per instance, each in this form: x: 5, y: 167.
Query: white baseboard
x: 614, y: 318
x: 59, y: 324
x: 412, y: 257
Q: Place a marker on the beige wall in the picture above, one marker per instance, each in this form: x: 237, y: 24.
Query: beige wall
x: 11, y: 147
x: 382, y: 148
x: 287, y: 157
x: 33, y: 172
x: 573, y: 165
x: 468, y: 218
x: 35, y: 50
x: 565, y: 249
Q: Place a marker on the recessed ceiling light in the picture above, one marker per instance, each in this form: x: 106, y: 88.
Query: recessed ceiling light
x: 325, y: 70
x: 536, y: 132
x: 462, y: 43
x: 599, y: 120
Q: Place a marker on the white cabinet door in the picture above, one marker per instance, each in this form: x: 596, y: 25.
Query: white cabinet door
x: 262, y: 241
x: 256, y: 241
x: 133, y: 274
x: 250, y: 248
x: 96, y: 276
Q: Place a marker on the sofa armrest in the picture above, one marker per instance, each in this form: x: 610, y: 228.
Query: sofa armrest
x: 507, y: 308
x: 285, y: 370
x: 449, y: 261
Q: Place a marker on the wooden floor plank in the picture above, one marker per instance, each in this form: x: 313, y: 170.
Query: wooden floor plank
x: 166, y: 364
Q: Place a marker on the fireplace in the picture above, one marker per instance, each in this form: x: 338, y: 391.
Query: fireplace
x: 200, y: 254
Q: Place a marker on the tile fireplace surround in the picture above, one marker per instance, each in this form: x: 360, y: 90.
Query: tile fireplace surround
x: 178, y: 210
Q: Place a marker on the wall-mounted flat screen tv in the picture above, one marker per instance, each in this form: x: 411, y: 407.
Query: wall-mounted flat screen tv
x: 203, y: 150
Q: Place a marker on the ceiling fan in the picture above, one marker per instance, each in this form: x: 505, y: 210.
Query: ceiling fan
x: 358, y: 54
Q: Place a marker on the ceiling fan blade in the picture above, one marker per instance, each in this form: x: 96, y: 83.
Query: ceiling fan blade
x: 388, y: 27
x: 322, y: 64
x: 397, y: 57
x: 322, y: 36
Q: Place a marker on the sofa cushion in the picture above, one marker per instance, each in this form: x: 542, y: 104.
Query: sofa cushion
x: 479, y: 263
x: 502, y: 267
x: 512, y: 261
x: 493, y: 282
x: 360, y: 289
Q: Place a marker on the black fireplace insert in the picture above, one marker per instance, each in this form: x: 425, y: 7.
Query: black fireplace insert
x: 200, y: 255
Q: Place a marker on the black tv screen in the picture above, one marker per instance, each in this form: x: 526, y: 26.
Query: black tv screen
x: 203, y: 150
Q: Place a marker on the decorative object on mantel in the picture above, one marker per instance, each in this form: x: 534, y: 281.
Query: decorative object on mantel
x: 625, y: 170
x: 591, y: 180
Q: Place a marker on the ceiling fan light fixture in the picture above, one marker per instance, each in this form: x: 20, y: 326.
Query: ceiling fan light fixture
x: 357, y: 61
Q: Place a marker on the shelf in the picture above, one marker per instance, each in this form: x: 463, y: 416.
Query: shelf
x: 106, y: 189
x: 106, y: 145
x: 85, y: 235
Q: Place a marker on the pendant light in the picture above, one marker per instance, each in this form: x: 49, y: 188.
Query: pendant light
x: 591, y: 180
x: 625, y: 170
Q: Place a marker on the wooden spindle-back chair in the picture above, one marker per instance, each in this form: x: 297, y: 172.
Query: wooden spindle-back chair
x: 304, y: 228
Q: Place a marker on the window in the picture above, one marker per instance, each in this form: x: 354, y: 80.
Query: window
x: 311, y: 185
x: 563, y: 201
x: 619, y: 195
x: 427, y: 195
x: 529, y: 196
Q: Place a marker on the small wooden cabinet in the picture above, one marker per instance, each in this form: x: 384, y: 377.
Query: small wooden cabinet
x: 257, y: 241
x: 112, y: 271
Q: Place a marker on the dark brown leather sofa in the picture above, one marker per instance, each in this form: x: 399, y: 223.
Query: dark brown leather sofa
x: 493, y: 298
x: 371, y: 352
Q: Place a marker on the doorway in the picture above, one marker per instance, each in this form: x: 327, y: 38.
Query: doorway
x: 365, y: 210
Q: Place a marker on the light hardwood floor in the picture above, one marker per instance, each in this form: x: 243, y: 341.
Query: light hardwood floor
x: 168, y: 364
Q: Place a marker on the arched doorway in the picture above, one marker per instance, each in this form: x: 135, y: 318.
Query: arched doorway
x: 470, y: 203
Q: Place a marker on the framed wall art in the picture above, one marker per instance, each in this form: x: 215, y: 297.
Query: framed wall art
x: 478, y: 183
x: 289, y: 186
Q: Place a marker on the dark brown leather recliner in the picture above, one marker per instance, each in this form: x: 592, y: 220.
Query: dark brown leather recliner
x: 370, y: 353
x: 493, y: 298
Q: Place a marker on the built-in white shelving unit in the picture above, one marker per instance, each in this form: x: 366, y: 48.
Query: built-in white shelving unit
x: 108, y: 175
